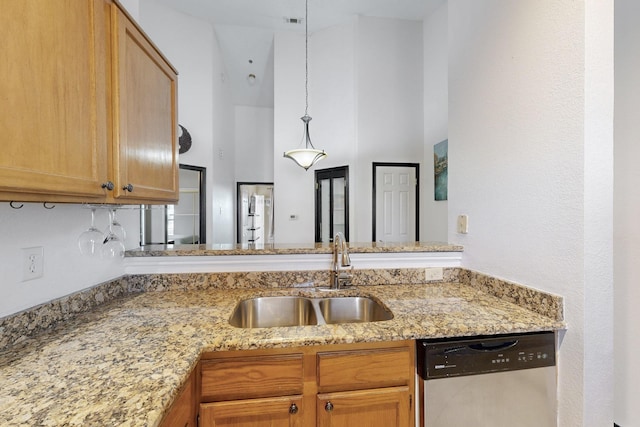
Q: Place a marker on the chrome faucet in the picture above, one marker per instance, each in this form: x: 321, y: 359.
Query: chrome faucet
x: 339, y: 277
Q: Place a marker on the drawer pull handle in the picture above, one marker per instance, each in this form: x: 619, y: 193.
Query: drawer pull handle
x: 328, y: 407
x: 293, y: 409
x: 128, y: 188
x: 108, y: 185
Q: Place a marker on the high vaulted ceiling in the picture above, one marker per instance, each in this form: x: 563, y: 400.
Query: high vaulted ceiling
x: 245, y: 29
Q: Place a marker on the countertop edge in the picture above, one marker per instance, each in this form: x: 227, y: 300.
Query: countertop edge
x: 286, y: 249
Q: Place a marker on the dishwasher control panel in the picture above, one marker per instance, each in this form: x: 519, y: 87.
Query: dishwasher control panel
x: 480, y: 355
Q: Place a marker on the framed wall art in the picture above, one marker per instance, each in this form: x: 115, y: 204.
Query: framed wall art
x: 440, y: 169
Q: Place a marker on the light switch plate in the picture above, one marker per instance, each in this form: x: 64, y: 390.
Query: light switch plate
x: 463, y: 224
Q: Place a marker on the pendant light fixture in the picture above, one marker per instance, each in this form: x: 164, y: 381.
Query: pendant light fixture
x: 309, y: 155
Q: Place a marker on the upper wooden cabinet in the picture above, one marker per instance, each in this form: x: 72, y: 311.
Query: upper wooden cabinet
x: 53, y: 99
x: 85, y: 99
x: 144, y: 118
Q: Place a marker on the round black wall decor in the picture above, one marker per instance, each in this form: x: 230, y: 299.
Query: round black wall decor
x: 184, y: 139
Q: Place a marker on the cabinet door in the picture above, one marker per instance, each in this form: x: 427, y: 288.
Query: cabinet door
x: 267, y: 412
x: 384, y: 407
x: 53, y: 103
x: 144, y: 151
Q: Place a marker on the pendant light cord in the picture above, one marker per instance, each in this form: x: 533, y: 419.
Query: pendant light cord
x: 309, y: 155
x: 306, y: 57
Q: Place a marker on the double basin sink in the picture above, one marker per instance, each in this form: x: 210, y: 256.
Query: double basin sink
x: 271, y: 311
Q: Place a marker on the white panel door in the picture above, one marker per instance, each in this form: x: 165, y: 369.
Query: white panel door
x: 395, y: 203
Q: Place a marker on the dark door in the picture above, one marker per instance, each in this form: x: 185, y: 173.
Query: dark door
x: 332, y: 203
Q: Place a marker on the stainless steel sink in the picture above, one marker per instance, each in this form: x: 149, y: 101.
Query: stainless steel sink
x: 353, y: 310
x: 266, y: 312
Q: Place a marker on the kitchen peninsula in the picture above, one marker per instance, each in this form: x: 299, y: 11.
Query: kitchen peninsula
x: 123, y: 361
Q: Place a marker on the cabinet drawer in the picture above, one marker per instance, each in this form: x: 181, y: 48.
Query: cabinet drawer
x: 251, y: 377
x: 353, y: 370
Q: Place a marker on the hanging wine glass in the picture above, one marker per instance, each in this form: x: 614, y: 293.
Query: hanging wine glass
x: 91, y: 239
x: 112, y: 246
x: 116, y: 227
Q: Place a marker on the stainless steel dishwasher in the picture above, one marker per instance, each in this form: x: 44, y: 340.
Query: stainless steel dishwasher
x: 495, y: 381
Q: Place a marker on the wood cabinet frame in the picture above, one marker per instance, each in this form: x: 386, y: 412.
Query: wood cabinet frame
x: 76, y: 111
x: 381, y: 373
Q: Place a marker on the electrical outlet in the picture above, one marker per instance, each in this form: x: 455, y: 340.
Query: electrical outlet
x: 32, y: 263
x: 433, y: 273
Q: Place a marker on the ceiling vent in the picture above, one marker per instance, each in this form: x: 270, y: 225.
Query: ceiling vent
x: 288, y: 20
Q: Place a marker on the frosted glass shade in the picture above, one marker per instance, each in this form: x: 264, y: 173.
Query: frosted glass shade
x: 305, y: 157
x: 308, y: 156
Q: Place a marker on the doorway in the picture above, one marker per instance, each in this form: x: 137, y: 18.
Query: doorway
x: 396, y: 204
x: 184, y: 222
x: 254, y: 212
x: 332, y: 203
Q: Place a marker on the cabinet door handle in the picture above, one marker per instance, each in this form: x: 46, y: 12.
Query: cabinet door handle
x: 128, y: 188
x: 108, y: 185
x: 293, y: 409
x: 328, y: 407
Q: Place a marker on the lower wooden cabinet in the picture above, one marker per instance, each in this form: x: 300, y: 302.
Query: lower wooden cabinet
x: 383, y: 407
x: 284, y: 411
x: 245, y: 377
x: 365, y: 384
x: 183, y: 411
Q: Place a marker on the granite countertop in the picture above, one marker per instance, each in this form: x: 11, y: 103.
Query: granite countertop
x: 123, y: 363
x: 285, y: 249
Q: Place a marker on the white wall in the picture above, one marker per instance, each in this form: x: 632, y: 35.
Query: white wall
x: 365, y: 97
x: 434, y: 226
x: 598, y: 383
x: 56, y: 230
x: 190, y: 45
x: 223, y: 191
x: 253, y: 144
x: 133, y: 7
x: 530, y: 149
x: 331, y: 106
x: 598, y: 213
x: 293, y: 189
x: 65, y: 269
x: 389, y: 105
x: 204, y: 105
x: 529, y: 162
x: 626, y: 208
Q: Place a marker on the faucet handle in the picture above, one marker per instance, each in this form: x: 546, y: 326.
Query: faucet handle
x: 344, y: 278
x: 346, y: 259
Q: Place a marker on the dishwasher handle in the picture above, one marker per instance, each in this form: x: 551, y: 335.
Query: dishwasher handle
x: 490, y: 346
x: 480, y: 346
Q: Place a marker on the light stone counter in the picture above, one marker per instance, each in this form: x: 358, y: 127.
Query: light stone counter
x: 288, y: 249
x: 122, y: 363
